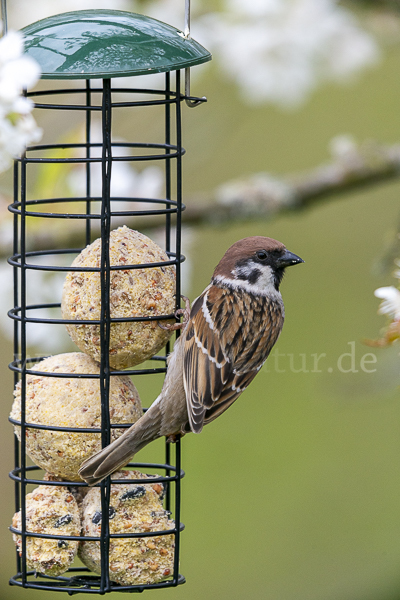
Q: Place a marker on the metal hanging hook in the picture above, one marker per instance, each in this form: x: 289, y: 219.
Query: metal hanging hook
x: 4, y: 17
x: 189, y: 101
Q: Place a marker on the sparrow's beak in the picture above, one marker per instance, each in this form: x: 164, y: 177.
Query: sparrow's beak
x: 288, y: 259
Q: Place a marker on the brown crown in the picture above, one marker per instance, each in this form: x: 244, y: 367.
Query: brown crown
x: 243, y: 249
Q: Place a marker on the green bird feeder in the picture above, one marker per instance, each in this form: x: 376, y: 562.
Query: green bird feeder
x: 81, y: 47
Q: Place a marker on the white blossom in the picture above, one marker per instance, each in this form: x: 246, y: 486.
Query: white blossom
x: 43, y: 287
x: 279, y: 50
x: 258, y: 189
x: 391, y: 301
x: 126, y: 181
x: 18, y: 128
x: 343, y: 147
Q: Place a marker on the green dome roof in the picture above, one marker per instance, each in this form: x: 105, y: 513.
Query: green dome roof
x: 91, y: 44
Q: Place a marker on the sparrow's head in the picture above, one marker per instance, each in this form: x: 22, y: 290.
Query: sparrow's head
x: 255, y: 263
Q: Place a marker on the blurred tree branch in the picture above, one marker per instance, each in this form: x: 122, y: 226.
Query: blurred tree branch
x: 262, y: 196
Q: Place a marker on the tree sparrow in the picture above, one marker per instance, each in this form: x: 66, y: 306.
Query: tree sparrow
x: 227, y: 337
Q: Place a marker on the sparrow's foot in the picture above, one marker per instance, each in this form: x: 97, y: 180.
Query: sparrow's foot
x: 181, y: 311
x: 169, y: 327
x: 173, y: 438
x: 184, y: 311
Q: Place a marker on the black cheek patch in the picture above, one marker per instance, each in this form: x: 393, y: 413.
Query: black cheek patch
x: 254, y: 276
x: 242, y: 275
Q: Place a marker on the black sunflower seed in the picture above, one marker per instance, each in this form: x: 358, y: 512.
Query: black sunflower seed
x: 63, y: 520
x: 96, y: 518
x: 137, y: 492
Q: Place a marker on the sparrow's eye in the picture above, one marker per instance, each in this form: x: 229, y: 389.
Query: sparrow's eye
x: 262, y: 255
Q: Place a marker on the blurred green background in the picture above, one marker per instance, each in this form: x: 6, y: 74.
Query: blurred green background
x: 293, y: 493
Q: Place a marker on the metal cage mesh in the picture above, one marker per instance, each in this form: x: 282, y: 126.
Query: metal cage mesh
x: 26, y: 211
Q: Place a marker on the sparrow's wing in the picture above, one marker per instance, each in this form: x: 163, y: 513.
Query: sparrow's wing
x: 206, y: 367
x: 229, y: 394
x: 224, y: 350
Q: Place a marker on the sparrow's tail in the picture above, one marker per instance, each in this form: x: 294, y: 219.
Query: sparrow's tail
x: 117, y: 455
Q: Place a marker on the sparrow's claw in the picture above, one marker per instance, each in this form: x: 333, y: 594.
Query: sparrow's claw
x: 173, y: 438
x: 181, y: 311
x: 169, y: 326
x: 185, y: 311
